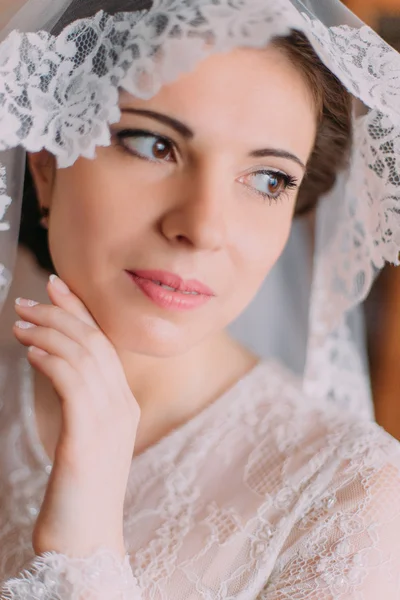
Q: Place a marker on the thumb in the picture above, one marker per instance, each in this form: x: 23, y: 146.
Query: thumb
x: 60, y: 295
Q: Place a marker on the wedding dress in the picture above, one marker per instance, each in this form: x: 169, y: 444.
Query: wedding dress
x: 264, y: 494
x: 282, y: 488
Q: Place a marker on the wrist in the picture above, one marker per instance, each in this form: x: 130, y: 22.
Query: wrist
x: 76, y: 520
x: 77, y: 547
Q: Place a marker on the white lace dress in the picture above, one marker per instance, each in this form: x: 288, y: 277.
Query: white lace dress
x: 263, y: 495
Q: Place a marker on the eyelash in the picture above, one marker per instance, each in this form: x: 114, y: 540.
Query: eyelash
x: 290, y: 182
x: 137, y: 133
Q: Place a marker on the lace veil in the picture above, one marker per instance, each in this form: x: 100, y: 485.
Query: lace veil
x: 58, y: 90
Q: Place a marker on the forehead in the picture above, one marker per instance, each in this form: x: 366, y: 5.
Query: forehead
x: 244, y: 93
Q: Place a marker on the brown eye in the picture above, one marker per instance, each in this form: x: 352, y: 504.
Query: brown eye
x: 146, y: 145
x: 161, y: 150
x: 275, y: 185
x: 270, y: 184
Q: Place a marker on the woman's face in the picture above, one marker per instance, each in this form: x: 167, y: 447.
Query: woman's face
x: 197, y: 191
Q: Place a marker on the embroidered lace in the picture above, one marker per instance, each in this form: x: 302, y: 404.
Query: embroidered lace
x: 60, y: 93
x: 309, y: 507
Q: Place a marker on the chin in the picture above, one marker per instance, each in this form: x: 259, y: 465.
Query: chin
x: 157, y: 338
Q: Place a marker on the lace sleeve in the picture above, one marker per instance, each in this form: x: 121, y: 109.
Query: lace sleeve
x: 348, y: 545
x: 53, y: 576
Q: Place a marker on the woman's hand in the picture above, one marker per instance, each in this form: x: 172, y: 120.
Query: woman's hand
x: 83, y: 505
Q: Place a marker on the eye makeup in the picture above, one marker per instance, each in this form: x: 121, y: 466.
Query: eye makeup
x: 156, y: 148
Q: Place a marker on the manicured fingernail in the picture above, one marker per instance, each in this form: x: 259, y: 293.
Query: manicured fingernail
x: 59, y: 285
x: 25, y: 302
x: 24, y: 325
x: 38, y: 351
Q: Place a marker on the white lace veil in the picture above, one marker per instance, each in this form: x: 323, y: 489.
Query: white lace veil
x: 49, y: 99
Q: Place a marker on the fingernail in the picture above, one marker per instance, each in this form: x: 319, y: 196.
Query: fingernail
x: 25, y: 302
x: 24, y: 325
x: 59, y: 285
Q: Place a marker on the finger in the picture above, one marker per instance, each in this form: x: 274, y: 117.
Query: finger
x: 65, y: 379
x: 53, y: 343
x: 81, y: 389
x: 60, y: 294
x: 90, y: 339
x: 54, y: 317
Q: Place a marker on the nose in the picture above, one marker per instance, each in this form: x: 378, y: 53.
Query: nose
x: 197, y: 216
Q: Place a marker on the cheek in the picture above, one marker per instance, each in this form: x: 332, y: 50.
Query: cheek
x: 257, y: 245
x: 74, y: 227
x: 262, y: 243
x: 87, y: 223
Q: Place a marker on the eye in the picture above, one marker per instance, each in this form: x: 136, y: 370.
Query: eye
x: 146, y: 145
x: 269, y: 183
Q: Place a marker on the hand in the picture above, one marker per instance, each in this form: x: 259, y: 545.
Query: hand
x: 83, y: 504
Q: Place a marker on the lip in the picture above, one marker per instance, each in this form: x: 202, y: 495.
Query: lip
x: 175, y: 281
x: 189, y: 294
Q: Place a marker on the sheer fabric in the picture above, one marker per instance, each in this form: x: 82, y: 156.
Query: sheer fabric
x: 261, y: 495
x: 61, y: 93
x: 264, y: 495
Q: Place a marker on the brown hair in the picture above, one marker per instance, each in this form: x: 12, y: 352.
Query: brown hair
x: 330, y: 154
x: 334, y: 137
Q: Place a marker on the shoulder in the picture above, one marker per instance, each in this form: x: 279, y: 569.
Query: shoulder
x: 344, y: 543
x: 337, y: 484
x: 316, y: 445
x: 277, y: 395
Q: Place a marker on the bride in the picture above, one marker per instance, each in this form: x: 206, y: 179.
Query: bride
x: 144, y: 453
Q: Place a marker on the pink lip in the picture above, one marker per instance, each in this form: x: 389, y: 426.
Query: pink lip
x: 173, y: 300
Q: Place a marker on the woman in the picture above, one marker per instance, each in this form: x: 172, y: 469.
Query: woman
x: 150, y: 455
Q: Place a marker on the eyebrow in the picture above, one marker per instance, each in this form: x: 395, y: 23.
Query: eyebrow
x: 187, y: 133
x: 171, y: 122
x: 279, y: 154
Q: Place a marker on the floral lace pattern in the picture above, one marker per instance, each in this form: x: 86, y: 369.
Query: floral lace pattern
x: 60, y: 93
x: 368, y: 66
x: 263, y: 495
x: 335, y: 372
x: 358, y: 224
x: 5, y: 200
x: 99, y: 577
x: 366, y: 232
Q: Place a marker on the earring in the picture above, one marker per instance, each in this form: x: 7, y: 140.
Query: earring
x: 44, y: 221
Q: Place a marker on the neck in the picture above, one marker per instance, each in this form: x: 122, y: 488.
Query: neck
x: 169, y: 391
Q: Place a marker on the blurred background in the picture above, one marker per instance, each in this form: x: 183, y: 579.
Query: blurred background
x: 382, y: 309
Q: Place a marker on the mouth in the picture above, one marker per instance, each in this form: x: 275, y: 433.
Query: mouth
x: 175, y: 283
x: 170, y: 291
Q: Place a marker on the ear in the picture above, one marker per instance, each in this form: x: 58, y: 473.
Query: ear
x: 43, y: 168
